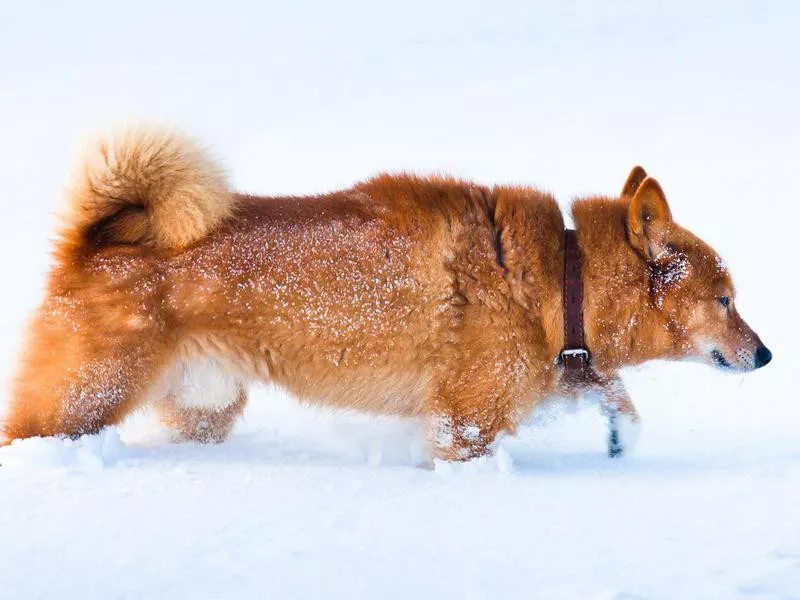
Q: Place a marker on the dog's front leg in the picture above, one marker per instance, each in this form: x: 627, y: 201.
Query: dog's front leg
x: 623, y: 420
x: 466, y: 413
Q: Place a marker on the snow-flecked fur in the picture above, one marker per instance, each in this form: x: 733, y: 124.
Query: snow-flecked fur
x: 145, y: 185
x: 403, y: 295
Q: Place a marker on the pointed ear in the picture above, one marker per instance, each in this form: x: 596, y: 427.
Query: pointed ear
x: 635, y: 179
x: 648, y: 219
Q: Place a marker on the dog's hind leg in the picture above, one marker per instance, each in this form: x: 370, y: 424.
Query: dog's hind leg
x: 623, y: 420
x: 204, y: 401
x: 77, y: 377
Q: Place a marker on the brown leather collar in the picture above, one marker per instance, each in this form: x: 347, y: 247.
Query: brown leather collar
x: 575, y: 355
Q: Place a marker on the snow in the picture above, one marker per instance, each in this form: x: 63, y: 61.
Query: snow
x: 307, y: 503
x: 304, y: 504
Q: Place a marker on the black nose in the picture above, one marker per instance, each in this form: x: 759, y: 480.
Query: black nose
x: 763, y: 356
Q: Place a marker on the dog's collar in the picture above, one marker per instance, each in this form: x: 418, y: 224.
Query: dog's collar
x: 575, y: 356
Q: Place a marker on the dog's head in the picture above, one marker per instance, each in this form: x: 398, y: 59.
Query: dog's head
x: 689, y: 283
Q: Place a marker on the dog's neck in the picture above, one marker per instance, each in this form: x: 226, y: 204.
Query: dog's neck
x: 623, y: 326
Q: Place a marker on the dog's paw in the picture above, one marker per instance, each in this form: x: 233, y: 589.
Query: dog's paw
x: 498, y: 462
x: 623, y: 434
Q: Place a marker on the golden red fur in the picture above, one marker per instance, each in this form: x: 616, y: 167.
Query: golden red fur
x: 404, y: 295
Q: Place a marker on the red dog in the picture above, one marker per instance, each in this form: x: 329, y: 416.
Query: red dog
x: 401, y: 295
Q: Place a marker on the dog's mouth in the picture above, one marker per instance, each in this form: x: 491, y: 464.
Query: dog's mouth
x: 720, y: 361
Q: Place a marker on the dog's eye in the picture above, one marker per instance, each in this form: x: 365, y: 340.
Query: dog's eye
x: 725, y: 301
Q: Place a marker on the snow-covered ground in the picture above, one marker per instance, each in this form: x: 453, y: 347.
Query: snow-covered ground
x: 306, y: 503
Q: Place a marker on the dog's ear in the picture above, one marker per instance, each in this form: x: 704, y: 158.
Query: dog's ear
x: 648, y: 219
x: 635, y: 179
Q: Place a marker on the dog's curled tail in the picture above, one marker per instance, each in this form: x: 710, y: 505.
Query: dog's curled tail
x: 145, y: 186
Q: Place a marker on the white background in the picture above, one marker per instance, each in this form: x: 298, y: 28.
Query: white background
x: 309, y: 97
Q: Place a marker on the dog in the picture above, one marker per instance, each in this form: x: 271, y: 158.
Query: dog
x: 426, y: 297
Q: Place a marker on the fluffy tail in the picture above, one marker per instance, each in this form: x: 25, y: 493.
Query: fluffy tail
x: 148, y: 187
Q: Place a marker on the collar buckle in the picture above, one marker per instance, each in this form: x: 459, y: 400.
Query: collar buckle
x: 568, y: 352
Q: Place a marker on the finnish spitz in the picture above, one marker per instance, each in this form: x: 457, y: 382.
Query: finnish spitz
x: 403, y: 295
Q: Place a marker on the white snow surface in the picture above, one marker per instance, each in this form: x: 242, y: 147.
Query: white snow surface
x: 308, y: 503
